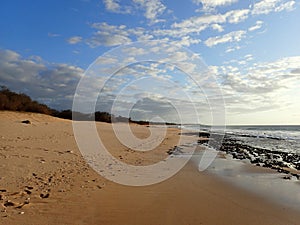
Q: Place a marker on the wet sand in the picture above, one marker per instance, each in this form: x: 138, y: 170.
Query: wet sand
x: 45, y: 180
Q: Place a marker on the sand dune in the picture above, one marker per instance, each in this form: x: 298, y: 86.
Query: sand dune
x: 45, y: 180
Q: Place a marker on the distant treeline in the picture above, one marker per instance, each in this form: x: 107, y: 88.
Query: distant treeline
x: 13, y: 101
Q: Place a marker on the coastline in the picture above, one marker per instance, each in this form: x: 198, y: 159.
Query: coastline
x: 42, y: 158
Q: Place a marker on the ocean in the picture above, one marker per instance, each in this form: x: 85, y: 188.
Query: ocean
x: 285, y: 138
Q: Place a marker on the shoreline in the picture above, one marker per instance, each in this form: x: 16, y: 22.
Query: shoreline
x: 44, y: 180
x: 261, y: 181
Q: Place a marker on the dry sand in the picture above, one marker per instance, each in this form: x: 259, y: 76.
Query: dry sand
x: 44, y: 180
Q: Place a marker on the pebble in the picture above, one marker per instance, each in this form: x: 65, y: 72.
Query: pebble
x: 8, y: 203
x: 26, y: 121
x: 44, y: 195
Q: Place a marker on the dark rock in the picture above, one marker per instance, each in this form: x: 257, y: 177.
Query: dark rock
x: 295, y: 175
x: 26, y: 121
x: 204, y: 134
x: 255, y: 161
x: 28, y: 192
x: 203, y: 141
x: 286, y: 171
x: 44, y: 195
x: 286, y: 177
x: 8, y: 204
x: 29, y: 187
x: 273, y: 159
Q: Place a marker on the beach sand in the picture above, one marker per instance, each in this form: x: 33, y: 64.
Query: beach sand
x: 45, y: 180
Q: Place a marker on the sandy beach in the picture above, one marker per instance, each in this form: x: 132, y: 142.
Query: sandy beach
x: 45, y: 180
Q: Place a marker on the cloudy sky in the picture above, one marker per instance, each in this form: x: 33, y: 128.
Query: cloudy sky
x: 251, y: 48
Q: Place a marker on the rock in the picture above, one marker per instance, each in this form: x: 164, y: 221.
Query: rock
x: 29, y: 187
x: 44, y: 195
x: 8, y: 204
x: 296, y: 176
x: 203, y: 141
x: 286, y: 177
x: 27, y: 201
x: 27, y: 191
x: 255, y: 161
x: 26, y: 121
x: 204, y: 134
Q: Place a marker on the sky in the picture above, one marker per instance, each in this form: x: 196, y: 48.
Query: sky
x: 250, y: 48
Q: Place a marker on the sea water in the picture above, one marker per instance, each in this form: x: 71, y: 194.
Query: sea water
x: 284, y: 138
x: 280, y: 138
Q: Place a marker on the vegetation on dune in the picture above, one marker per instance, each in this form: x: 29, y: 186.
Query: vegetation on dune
x: 13, y: 101
x: 21, y: 102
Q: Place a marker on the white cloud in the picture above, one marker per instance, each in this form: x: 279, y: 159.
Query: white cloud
x: 198, y: 24
x: 108, y: 60
x: 132, y: 51
x: 197, y: 21
x: 232, y: 49
x: 52, y: 84
x: 236, y: 16
x: 186, y: 41
x: 260, y: 87
x: 74, y: 40
x: 185, y: 32
x: 295, y: 71
x: 53, y: 35
x: 268, y: 6
x: 112, y: 35
x: 156, y: 83
x: 257, y: 26
x: 180, y: 32
x: 248, y: 57
x: 109, y: 35
x: 264, y: 6
x: 234, y: 36
x: 217, y: 27
x: 114, y: 6
x: 145, y: 37
x: 285, y: 6
x: 153, y: 9
x: 214, y: 3
x: 209, y: 5
x: 101, y: 38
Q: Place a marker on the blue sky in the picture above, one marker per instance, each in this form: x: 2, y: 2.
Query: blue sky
x: 251, y: 46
